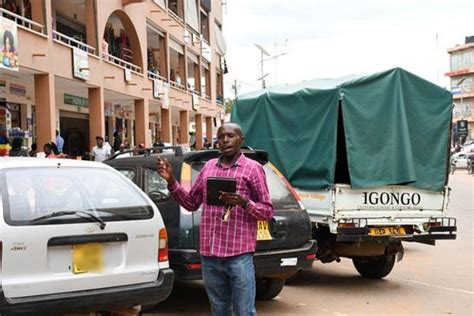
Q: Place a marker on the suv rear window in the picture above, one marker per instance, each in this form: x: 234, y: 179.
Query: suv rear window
x: 30, y: 193
x: 279, y: 193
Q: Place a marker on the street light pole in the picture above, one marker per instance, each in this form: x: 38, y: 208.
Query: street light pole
x: 263, y: 52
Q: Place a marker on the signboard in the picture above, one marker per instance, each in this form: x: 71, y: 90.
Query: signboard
x: 195, y: 102
x: 75, y: 100
x: 80, y: 64
x: 127, y: 74
x: 462, y: 128
x: 17, y: 89
x: 8, y: 45
x: 108, y: 109
x: 456, y: 90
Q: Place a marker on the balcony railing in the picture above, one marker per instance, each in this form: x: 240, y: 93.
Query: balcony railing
x: 22, y: 21
x: 71, y: 42
x: 176, y: 17
x: 152, y: 75
x: 122, y: 63
x: 177, y: 86
x: 191, y: 92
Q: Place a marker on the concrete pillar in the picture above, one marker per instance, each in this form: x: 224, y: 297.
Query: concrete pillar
x: 142, y: 122
x: 166, y: 134
x: 96, y: 115
x: 130, y: 134
x: 209, y: 129
x: 38, y: 9
x: 184, y: 127
x: 166, y: 59
x: 91, y: 26
x: 45, y: 109
x: 176, y: 141
x: 110, y: 132
x: 198, y: 121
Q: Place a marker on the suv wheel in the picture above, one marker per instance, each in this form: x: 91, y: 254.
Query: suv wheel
x: 268, y: 288
x: 374, y: 267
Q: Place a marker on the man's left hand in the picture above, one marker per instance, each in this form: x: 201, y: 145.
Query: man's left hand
x: 232, y: 198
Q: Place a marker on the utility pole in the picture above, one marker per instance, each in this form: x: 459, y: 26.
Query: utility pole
x: 235, y: 88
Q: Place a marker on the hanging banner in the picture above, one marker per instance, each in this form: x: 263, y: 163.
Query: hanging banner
x: 157, y: 88
x: 206, y: 51
x: 165, y: 99
x: 80, y: 64
x: 195, y: 102
x: 8, y: 45
x: 127, y: 74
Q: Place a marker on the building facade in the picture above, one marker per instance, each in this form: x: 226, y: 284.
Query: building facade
x: 141, y: 71
x: 461, y: 75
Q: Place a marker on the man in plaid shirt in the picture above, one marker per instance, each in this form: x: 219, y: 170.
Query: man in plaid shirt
x: 227, y: 244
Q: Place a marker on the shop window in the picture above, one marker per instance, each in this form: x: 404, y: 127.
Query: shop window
x: 193, y: 73
x: 219, y: 87
x: 18, y: 7
x: 205, y: 80
x: 176, y: 7
x: 69, y: 18
x: 177, y: 66
x: 156, y: 52
x: 205, y: 26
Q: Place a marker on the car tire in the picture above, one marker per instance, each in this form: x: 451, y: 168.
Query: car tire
x: 374, y: 267
x: 268, y: 288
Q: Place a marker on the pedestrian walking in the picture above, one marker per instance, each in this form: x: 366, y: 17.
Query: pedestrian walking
x: 228, y: 232
x: 453, y: 164
x: 99, y: 152
x: 59, y: 142
x: 17, y: 149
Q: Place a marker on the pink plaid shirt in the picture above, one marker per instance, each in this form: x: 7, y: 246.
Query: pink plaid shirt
x: 239, y: 234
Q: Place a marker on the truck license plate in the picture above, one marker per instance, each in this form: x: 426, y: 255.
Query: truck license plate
x: 87, y: 258
x: 263, y: 232
x: 383, y: 231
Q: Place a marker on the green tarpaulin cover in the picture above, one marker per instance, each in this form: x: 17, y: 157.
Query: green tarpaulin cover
x: 396, y: 130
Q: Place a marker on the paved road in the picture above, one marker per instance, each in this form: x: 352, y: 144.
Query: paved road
x: 429, y: 281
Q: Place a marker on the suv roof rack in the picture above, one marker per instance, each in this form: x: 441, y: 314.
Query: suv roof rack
x: 178, y: 151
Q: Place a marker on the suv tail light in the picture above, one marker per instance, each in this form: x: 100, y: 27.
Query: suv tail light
x: 163, y: 245
x: 288, y: 185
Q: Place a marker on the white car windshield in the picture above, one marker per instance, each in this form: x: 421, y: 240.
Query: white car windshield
x: 31, y: 193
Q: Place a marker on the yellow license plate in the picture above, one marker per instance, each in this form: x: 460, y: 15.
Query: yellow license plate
x: 383, y: 231
x: 263, y: 232
x: 87, y: 258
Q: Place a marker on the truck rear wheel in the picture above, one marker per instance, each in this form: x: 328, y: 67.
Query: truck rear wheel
x: 268, y: 288
x: 374, y: 267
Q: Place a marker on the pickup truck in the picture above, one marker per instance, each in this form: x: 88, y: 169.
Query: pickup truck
x: 369, y: 158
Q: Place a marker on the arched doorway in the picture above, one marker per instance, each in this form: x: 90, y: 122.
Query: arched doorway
x: 120, y: 39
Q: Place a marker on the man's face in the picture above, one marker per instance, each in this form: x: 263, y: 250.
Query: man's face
x: 229, y: 141
x: 100, y: 142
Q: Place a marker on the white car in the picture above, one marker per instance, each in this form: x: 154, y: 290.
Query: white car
x: 77, y: 236
x: 461, y: 159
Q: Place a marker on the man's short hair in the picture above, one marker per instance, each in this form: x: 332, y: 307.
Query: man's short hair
x: 99, y: 137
